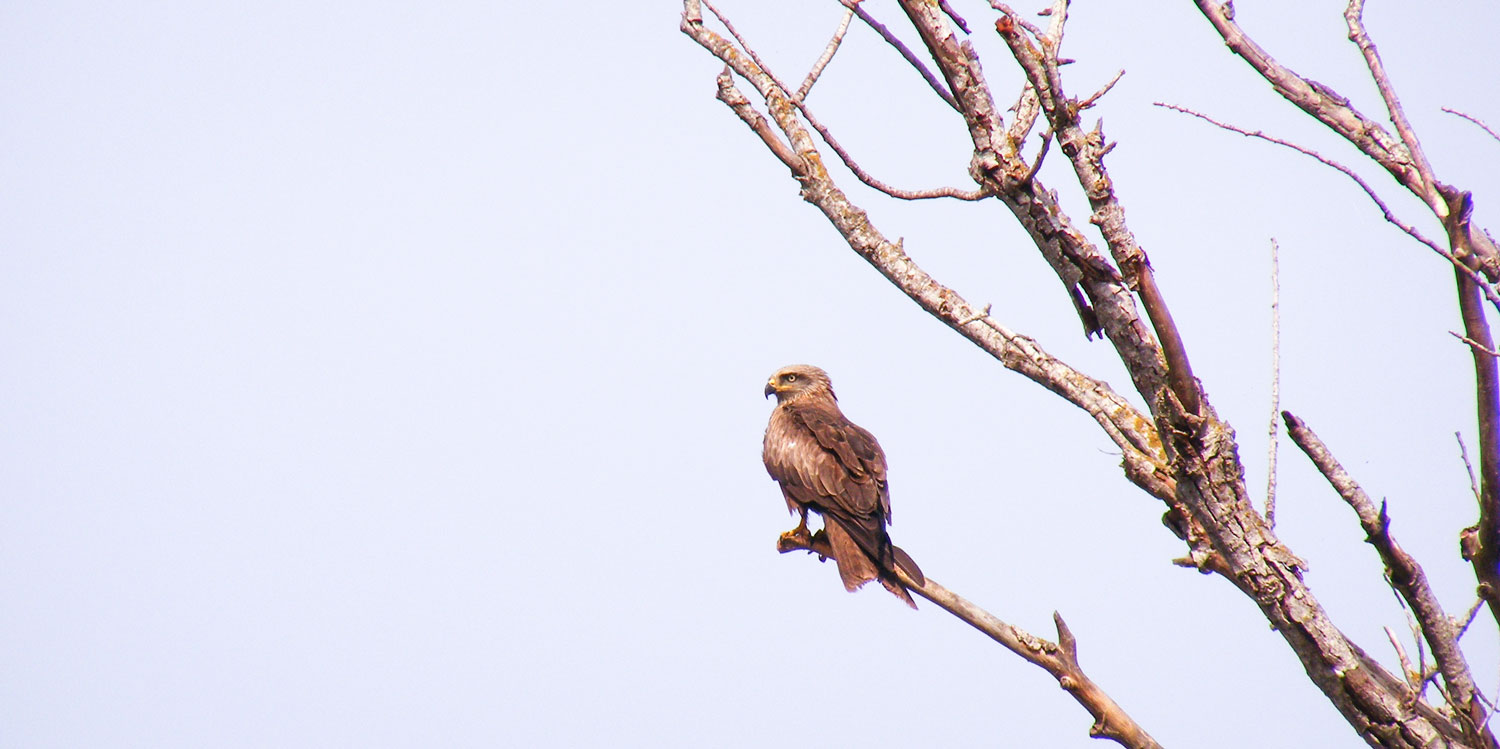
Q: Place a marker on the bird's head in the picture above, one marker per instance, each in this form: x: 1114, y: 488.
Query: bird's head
x: 797, y: 380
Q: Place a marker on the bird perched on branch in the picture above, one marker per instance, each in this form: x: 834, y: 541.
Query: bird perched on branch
x: 828, y: 464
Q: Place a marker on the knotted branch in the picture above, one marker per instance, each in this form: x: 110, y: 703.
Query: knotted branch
x: 1060, y: 659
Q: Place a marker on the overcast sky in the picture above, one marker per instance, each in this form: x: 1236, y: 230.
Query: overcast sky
x: 389, y: 375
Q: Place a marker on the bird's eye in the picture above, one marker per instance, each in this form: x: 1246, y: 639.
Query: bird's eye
x: 789, y: 378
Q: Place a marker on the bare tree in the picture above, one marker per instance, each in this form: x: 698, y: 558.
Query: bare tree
x: 1179, y: 450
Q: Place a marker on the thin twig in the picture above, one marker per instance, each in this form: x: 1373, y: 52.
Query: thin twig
x: 827, y: 135
x: 1036, y: 163
x: 872, y: 181
x: 1469, y: 617
x: 1275, y: 428
x: 1475, y: 120
x: 1476, y: 345
x: 901, y: 47
x: 865, y: 177
x: 1488, y: 704
x: 1026, y: 110
x: 1489, y: 290
x: 1354, y: 17
x: 744, y: 45
x: 957, y: 19
x: 833, y: 46
x: 1424, y: 674
x: 1094, y: 97
x: 1413, y: 677
x: 1384, y: 209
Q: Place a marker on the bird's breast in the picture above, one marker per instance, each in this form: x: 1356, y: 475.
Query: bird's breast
x: 781, y: 439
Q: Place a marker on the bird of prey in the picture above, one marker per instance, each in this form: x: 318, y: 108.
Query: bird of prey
x: 828, y: 464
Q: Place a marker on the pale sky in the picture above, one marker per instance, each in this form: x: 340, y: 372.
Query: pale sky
x: 390, y: 375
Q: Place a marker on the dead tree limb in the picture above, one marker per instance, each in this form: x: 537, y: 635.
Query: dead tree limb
x: 1407, y: 577
x: 1273, y: 431
x: 1060, y: 659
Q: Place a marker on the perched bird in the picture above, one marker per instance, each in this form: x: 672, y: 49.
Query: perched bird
x: 828, y: 464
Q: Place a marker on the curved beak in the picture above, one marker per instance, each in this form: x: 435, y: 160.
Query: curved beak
x: 770, y: 389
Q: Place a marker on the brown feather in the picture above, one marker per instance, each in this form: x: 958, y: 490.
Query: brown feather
x: 855, y: 567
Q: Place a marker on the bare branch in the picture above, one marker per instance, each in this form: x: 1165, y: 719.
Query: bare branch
x: 1413, y: 676
x: 1405, y: 575
x: 744, y: 45
x: 1275, y: 429
x: 1059, y: 659
x: 827, y: 135
x: 871, y: 181
x: 1026, y: 109
x: 1469, y: 617
x: 1097, y: 95
x: 1354, y: 17
x: 1463, y: 452
x: 1481, y: 542
x: 894, y: 41
x: 1058, y: 17
x: 1473, y: 344
x: 957, y: 19
x: 731, y: 95
x: 1475, y: 120
x: 833, y: 46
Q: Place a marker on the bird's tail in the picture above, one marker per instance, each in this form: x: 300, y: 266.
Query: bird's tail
x: 896, y: 588
x: 906, y: 564
x: 903, y: 562
x: 859, y: 564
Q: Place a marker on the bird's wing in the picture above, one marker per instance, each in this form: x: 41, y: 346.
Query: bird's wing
x: 849, y: 468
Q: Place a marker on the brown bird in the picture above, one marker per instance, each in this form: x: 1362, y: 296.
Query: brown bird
x: 828, y: 464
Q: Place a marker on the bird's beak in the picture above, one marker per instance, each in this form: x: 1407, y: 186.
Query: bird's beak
x: 770, y: 388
